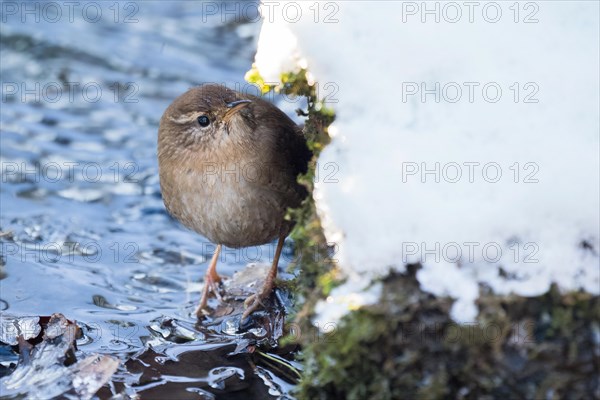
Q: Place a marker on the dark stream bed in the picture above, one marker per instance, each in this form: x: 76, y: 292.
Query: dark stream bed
x: 83, y: 231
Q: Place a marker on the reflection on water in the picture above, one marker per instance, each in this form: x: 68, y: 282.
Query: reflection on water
x: 83, y: 231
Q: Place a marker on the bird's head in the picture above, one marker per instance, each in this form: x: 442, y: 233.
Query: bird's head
x: 206, y: 117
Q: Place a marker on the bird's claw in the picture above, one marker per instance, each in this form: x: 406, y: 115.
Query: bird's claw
x: 252, y: 303
x: 210, y: 285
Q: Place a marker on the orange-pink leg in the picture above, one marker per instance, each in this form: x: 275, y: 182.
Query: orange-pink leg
x: 211, y: 280
x: 255, y: 301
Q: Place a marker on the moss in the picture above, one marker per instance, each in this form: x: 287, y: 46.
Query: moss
x: 407, y: 346
x: 317, y: 273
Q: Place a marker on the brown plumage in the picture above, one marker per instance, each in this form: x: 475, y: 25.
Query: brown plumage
x: 228, y: 165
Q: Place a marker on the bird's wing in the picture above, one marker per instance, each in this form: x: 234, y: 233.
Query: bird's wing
x: 286, y: 152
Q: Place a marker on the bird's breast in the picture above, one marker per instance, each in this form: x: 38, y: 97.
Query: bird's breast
x: 229, y: 203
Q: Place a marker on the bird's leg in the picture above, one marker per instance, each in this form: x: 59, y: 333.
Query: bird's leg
x: 211, y: 279
x: 254, y: 301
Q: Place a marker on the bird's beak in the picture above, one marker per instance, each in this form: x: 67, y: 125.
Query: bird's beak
x: 234, y: 107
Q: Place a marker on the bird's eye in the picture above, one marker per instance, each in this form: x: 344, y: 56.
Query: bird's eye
x: 203, y: 121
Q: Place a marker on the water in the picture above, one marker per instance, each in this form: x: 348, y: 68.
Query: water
x: 84, y: 230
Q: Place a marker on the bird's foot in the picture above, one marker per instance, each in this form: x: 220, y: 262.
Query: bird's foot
x: 211, y: 284
x: 255, y: 301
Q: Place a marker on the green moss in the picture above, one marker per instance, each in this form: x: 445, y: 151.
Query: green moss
x: 317, y: 273
x: 407, y: 347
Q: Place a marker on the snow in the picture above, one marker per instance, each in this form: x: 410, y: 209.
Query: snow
x: 470, y: 146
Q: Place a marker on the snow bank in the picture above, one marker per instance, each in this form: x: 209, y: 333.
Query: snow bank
x: 467, y: 139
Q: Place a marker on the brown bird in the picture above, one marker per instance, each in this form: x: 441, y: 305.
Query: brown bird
x: 228, y: 165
